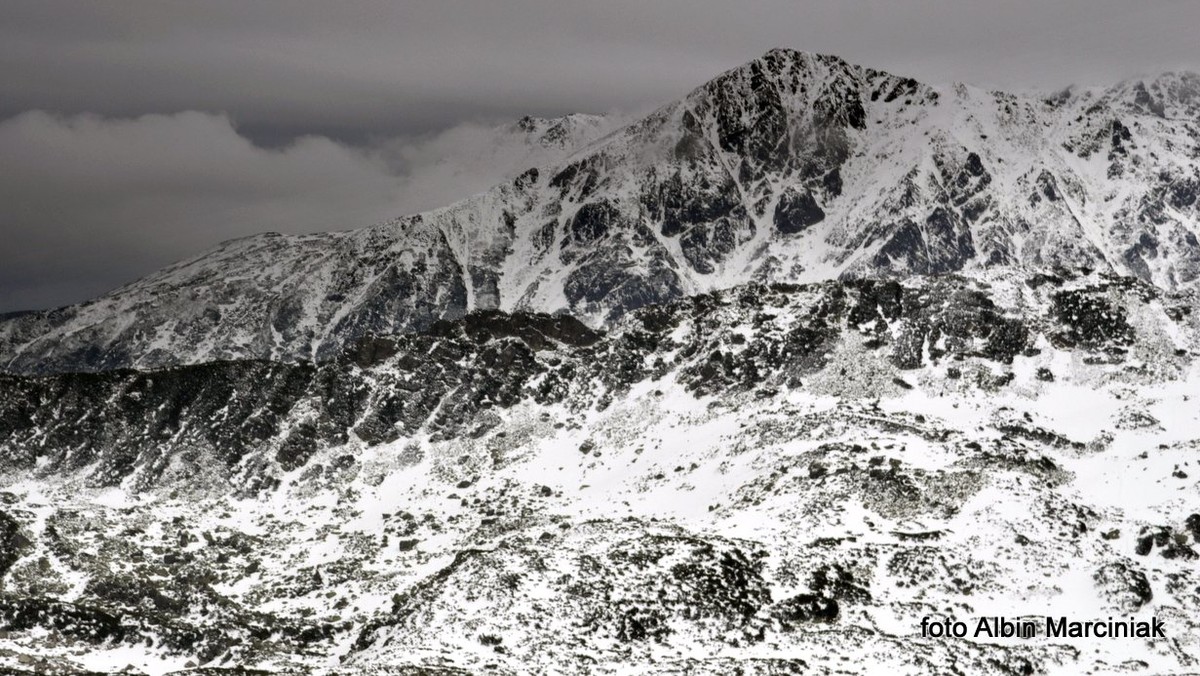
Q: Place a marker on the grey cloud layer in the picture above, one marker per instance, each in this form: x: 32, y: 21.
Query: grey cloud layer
x: 354, y: 68
x: 88, y: 201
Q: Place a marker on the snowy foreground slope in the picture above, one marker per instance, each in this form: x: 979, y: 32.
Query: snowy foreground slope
x: 765, y: 480
x: 792, y: 168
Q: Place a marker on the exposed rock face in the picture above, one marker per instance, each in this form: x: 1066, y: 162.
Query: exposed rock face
x: 796, y: 212
x: 793, y: 168
x: 767, y: 479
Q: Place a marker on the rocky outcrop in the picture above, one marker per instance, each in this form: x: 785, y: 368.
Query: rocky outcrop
x: 258, y: 420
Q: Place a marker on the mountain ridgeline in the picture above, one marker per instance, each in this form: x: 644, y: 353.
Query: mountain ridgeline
x: 248, y: 423
x: 792, y: 168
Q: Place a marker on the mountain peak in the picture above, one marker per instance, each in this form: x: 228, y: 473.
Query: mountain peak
x: 788, y: 55
x: 1173, y: 94
x: 781, y: 61
x: 567, y: 130
x: 793, y: 167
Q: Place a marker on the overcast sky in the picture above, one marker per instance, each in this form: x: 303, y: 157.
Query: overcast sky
x: 138, y: 132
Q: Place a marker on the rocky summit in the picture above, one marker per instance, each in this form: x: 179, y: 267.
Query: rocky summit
x: 772, y: 381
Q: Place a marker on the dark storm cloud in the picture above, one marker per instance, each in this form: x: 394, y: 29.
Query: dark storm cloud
x: 96, y: 193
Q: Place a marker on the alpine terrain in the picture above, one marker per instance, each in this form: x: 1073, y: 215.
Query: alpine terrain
x: 753, y: 385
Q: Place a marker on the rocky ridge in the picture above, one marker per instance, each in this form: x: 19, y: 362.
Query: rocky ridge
x: 770, y: 478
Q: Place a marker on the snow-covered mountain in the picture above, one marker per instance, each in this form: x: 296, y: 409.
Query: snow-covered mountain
x: 795, y: 167
x: 766, y: 480
x: 751, y: 385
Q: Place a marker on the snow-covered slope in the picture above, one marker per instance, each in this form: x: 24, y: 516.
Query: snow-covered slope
x: 795, y: 167
x: 766, y: 480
